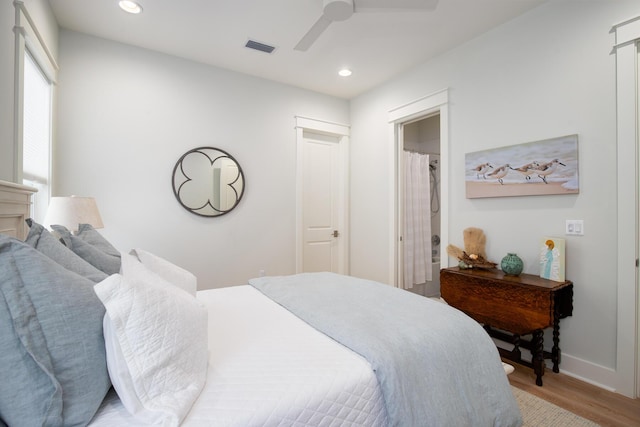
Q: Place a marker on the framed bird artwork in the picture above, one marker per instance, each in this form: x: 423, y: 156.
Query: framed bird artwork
x: 530, y: 169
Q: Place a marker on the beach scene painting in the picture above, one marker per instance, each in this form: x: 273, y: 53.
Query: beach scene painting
x: 534, y: 168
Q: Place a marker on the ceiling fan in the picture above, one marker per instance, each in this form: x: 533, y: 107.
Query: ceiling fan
x: 340, y: 10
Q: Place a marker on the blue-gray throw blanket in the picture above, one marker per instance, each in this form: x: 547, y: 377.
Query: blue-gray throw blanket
x: 435, y: 365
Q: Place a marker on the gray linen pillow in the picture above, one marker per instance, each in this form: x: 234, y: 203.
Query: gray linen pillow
x: 105, y: 262
x: 90, y: 235
x: 52, y: 365
x: 40, y: 238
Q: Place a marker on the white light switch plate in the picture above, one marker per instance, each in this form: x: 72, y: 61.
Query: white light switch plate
x: 574, y: 227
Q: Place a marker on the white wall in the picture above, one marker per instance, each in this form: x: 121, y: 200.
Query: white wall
x: 125, y: 117
x: 548, y: 73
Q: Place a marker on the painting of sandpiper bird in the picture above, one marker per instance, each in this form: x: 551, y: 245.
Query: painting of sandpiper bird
x: 533, y: 168
x: 547, y: 169
x: 482, y: 169
x: 500, y: 173
x: 527, y: 169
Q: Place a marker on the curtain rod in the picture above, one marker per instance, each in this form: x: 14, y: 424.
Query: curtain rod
x: 419, y: 152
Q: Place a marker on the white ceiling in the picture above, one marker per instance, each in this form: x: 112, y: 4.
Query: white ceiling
x: 376, y: 46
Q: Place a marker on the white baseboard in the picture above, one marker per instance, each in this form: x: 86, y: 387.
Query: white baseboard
x: 589, y: 372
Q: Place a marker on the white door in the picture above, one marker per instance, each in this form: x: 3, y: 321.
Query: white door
x: 319, y: 202
x: 322, y: 234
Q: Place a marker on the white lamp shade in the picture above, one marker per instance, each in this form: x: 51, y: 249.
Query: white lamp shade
x: 71, y: 211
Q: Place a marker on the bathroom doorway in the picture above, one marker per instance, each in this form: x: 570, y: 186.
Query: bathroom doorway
x: 421, y: 206
x: 420, y: 127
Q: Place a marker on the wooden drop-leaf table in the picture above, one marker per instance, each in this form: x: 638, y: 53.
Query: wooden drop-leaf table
x: 510, y: 307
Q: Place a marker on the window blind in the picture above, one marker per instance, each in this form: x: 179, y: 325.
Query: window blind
x: 36, y: 123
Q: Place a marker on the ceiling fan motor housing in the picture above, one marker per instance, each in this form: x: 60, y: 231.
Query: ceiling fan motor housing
x: 338, y: 10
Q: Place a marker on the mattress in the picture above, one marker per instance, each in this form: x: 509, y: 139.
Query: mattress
x: 269, y: 368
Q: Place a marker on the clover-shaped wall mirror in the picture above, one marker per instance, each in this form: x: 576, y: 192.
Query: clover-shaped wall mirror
x: 208, y: 181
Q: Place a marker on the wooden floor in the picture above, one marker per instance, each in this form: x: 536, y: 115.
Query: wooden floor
x: 588, y: 401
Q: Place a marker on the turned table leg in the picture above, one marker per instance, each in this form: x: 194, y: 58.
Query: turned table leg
x: 516, y: 355
x: 555, y: 350
x: 537, y: 353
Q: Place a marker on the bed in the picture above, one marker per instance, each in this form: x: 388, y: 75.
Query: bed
x: 133, y: 342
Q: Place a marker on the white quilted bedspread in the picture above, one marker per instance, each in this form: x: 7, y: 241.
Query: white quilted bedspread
x: 269, y: 368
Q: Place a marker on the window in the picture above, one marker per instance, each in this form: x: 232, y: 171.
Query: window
x: 36, y: 131
x: 36, y: 72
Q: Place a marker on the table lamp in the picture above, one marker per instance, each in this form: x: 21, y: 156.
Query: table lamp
x: 69, y: 211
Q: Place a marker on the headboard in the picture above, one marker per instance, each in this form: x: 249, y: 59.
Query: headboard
x: 15, y: 207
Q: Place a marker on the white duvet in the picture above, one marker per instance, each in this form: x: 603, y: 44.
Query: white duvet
x: 269, y: 368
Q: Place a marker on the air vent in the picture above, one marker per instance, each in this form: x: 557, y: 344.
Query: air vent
x: 252, y: 44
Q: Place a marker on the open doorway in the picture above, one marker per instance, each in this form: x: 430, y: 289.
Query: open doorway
x: 419, y: 192
x: 627, y: 51
x: 425, y: 124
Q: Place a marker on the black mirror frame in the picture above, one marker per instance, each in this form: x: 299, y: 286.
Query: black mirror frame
x: 176, y: 191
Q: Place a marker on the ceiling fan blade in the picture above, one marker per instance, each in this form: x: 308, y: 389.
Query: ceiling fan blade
x: 394, y: 5
x: 313, y: 34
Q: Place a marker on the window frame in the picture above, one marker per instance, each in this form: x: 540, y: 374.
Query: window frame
x: 29, y: 41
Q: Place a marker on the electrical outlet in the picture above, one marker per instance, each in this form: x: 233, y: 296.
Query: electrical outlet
x: 574, y: 227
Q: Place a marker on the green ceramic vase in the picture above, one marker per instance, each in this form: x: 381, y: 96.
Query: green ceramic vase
x: 511, y: 264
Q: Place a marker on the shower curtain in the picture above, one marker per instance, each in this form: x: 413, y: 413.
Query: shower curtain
x: 417, y: 220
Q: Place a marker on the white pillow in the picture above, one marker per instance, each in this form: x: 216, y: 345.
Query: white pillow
x: 165, y: 269
x: 156, y: 343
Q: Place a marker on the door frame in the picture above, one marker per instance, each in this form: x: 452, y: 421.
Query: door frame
x: 436, y: 103
x: 341, y: 133
x: 627, y: 56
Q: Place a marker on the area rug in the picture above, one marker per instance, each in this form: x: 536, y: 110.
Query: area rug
x: 538, y: 412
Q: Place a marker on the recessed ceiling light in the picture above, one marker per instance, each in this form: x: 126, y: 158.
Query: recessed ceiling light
x: 130, y: 6
x: 345, y: 72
